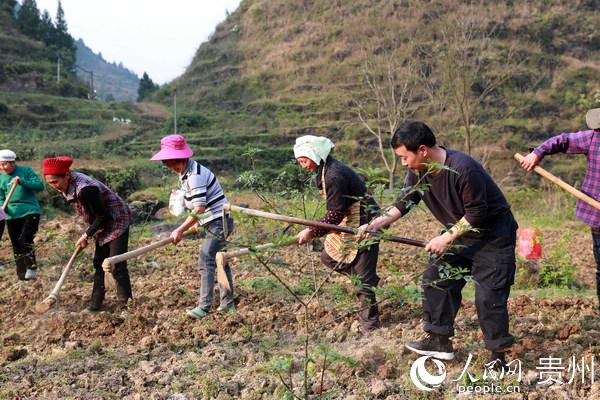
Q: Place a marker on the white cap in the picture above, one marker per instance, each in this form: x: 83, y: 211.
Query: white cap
x: 593, y: 118
x: 7, y: 155
x: 317, y: 148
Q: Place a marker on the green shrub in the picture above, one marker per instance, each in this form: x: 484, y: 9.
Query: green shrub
x: 557, y: 273
x: 124, y: 181
x: 544, y: 28
x: 98, y: 174
x: 557, y: 269
x: 188, y: 122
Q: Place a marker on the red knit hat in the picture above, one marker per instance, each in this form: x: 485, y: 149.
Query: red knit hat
x: 56, y: 165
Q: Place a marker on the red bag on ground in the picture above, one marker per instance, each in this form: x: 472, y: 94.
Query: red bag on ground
x: 529, y: 243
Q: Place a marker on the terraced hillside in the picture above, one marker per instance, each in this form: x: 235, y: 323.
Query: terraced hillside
x: 288, y: 67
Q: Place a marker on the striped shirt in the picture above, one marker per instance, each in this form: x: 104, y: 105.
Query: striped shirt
x: 202, y: 189
x: 583, y: 142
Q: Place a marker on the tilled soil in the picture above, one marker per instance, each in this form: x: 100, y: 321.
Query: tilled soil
x: 152, y: 350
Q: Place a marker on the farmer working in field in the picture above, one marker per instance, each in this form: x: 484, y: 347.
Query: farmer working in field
x: 205, y: 198
x: 583, y: 142
x: 461, y: 197
x: 108, y: 217
x: 344, y: 193
x: 22, y: 211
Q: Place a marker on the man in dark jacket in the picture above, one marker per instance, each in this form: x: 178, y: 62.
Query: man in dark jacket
x: 478, y: 224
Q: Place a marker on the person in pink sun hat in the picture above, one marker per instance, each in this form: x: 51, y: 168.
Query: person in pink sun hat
x: 205, y: 198
x: 173, y: 147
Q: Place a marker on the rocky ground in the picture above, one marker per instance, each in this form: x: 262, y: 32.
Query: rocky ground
x: 153, y: 351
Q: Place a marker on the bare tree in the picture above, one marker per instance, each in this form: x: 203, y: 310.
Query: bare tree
x: 464, y: 57
x: 390, y: 82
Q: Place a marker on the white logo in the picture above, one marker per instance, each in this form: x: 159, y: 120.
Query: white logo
x: 421, y: 377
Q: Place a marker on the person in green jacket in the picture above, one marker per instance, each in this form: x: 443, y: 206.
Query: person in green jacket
x: 22, y: 212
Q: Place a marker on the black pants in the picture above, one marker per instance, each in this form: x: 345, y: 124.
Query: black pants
x: 596, y: 241
x: 365, y: 267
x: 490, y: 259
x: 120, y: 272
x: 22, y: 232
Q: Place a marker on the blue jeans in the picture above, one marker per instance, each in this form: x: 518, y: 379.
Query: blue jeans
x: 596, y: 241
x: 211, y: 245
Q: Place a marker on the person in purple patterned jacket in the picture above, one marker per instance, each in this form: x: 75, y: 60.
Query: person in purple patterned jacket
x: 583, y: 142
x: 108, y: 217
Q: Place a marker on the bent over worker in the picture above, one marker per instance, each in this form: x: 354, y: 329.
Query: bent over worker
x: 108, y: 217
x: 347, y: 204
x: 205, y: 198
x: 462, y: 197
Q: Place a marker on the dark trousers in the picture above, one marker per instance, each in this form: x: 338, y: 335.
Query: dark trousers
x: 596, y: 242
x: 489, y: 257
x: 22, y: 232
x: 365, y: 267
x: 120, y: 272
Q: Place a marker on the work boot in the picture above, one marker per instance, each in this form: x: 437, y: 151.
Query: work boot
x: 123, y: 296
x: 21, y: 270
x: 96, y: 300
x: 123, y: 284
x: 497, y: 360
x: 122, y: 303
x: 438, y: 346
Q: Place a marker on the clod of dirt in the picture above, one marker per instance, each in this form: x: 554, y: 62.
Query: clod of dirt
x: 387, y: 371
x: 371, y: 357
x: 15, y: 354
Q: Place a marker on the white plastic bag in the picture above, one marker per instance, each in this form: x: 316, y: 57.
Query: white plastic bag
x: 176, y: 202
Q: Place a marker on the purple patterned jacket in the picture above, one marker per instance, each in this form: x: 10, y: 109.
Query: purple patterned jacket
x: 583, y: 142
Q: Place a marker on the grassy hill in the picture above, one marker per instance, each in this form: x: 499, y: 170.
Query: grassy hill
x: 283, y: 68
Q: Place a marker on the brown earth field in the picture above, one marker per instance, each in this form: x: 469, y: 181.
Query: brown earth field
x: 153, y: 350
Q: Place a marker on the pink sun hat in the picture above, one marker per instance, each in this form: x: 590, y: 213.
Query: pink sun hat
x: 173, y: 147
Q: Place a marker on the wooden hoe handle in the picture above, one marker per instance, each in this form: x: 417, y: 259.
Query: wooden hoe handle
x: 322, y: 225
x: 143, y: 250
x: 13, y: 186
x: 580, y: 195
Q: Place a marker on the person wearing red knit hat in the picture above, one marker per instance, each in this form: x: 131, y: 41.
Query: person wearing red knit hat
x: 108, y: 217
